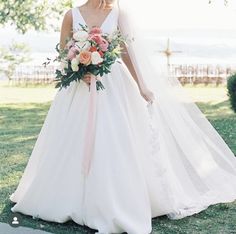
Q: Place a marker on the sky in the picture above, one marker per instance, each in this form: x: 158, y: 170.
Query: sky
x: 204, y: 33
x: 194, y: 14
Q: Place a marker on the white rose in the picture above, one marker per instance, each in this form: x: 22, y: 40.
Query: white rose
x: 74, y: 64
x: 83, y: 45
x: 80, y: 35
x: 96, y: 58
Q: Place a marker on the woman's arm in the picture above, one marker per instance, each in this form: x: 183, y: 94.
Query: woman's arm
x: 66, y: 29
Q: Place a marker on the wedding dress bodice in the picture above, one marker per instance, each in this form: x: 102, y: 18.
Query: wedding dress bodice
x: 109, y: 25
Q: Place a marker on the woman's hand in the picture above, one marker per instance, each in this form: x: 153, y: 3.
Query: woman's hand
x: 147, y: 95
x: 87, y: 78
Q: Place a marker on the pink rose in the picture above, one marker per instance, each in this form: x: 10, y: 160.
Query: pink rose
x: 96, y: 38
x: 85, y: 57
x: 104, y: 45
x: 95, y: 30
x: 72, y: 53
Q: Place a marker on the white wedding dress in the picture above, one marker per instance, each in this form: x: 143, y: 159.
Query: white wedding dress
x: 131, y: 178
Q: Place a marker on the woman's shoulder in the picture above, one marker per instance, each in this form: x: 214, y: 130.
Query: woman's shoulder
x: 68, y: 14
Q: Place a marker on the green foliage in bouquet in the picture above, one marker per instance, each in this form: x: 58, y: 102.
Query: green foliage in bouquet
x: 231, y: 86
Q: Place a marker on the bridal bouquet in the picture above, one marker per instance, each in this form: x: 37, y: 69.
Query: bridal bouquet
x: 88, y: 51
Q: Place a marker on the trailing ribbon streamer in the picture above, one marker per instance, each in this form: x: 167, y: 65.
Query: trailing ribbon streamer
x: 89, y: 139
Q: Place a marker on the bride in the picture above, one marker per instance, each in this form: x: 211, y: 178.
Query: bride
x: 152, y: 151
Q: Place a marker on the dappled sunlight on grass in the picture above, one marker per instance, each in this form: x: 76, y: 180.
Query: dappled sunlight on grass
x: 210, y: 94
x: 20, y: 139
x: 13, y: 161
x: 10, y: 179
x: 22, y: 94
x: 221, y: 109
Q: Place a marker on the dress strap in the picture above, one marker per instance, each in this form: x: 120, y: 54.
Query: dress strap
x: 117, y: 3
x: 117, y: 6
x: 76, y: 18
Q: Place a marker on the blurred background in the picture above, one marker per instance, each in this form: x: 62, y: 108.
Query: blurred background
x: 197, y: 38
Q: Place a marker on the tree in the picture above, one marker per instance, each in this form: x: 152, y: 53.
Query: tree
x: 231, y: 86
x: 32, y: 14
x: 12, y: 56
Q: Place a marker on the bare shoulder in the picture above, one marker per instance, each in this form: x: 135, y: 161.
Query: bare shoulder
x: 68, y: 15
x: 66, y: 27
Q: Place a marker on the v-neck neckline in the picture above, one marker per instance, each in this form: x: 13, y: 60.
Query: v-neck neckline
x: 104, y: 21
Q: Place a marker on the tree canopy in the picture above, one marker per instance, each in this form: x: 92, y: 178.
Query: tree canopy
x: 32, y: 14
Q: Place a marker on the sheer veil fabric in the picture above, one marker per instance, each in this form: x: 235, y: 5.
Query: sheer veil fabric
x: 198, y: 167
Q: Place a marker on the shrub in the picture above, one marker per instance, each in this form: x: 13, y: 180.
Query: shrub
x: 231, y: 86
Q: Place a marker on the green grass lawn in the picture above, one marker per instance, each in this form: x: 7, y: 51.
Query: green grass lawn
x: 22, y: 112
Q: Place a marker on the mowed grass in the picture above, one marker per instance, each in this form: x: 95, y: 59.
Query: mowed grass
x: 21, y: 121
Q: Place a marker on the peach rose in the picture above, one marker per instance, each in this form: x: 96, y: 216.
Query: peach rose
x: 85, y: 57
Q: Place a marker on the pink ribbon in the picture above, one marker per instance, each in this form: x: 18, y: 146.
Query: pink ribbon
x: 89, y: 139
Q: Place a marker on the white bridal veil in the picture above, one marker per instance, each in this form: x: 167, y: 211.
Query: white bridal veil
x: 196, y: 161
x: 198, y: 167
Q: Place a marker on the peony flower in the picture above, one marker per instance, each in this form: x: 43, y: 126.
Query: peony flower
x: 96, y: 38
x: 80, y: 35
x: 85, y: 57
x: 95, y: 30
x: 96, y: 58
x: 75, y: 64
x: 104, y: 45
x: 72, y: 53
